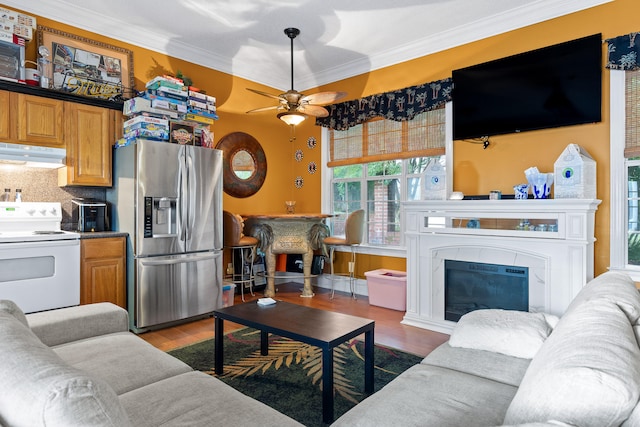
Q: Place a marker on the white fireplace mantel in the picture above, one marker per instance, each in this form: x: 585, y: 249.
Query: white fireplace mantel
x: 553, y: 237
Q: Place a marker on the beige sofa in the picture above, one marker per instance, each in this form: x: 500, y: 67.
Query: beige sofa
x: 515, y: 368
x: 80, y: 366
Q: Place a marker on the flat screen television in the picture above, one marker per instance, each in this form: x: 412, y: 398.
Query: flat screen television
x: 555, y: 86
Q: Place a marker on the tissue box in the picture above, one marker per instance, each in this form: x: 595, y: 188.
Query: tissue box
x: 575, y: 174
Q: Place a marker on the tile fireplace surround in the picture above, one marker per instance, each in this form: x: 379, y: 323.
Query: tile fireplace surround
x: 552, y: 237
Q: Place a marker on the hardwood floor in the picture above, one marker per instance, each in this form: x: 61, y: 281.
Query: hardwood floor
x: 388, y: 331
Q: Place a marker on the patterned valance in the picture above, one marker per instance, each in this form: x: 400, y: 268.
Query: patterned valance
x: 400, y: 105
x: 624, y: 52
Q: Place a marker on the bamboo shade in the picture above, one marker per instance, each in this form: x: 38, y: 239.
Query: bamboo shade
x: 632, y: 111
x: 381, y: 139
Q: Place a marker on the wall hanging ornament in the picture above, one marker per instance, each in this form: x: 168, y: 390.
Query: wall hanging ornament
x: 312, y: 167
x: 299, y: 182
x: 311, y: 142
x: 298, y: 155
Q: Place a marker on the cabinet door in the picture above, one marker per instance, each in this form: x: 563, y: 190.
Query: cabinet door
x: 40, y: 120
x: 102, y: 269
x: 5, y: 117
x: 89, y: 132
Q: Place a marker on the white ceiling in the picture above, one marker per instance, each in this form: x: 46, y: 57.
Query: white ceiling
x: 339, y: 38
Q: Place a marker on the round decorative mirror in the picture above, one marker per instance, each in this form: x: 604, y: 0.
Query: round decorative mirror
x: 244, y: 164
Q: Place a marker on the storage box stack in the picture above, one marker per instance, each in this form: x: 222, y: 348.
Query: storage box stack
x: 575, y: 174
x: 165, y: 112
x: 16, y: 24
x: 15, y: 28
x: 146, y: 127
x: 201, y: 110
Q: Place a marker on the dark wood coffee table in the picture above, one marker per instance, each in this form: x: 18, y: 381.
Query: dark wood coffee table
x: 321, y: 328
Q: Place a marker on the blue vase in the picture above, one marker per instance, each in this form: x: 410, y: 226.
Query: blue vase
x: 521, y: 191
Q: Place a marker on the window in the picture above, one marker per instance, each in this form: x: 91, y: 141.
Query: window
x: 376, y: 166
x: 625, y: 172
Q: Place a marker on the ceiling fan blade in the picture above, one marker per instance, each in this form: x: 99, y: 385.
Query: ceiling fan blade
x: 323, y: 98
x: 257, y: 110
x: 268, y: 95
x: 313, y: 110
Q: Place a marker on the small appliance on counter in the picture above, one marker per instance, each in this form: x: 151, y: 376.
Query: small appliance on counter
x: 90, y: 214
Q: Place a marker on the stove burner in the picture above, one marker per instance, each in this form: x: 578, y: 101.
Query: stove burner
x: 48, y: 232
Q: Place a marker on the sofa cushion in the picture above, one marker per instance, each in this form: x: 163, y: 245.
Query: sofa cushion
x: 611, y: 286
x: 37, y: 388
x: 586, y: 373
x: 70, y: 324
x: 12, y: 308
x: 197, y: 399
x: 510, y: 332
x: 129, y: 363
x: 432, y: 396
x: 485, y: 364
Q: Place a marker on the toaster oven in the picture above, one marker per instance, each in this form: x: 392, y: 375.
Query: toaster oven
x: 12, y: 60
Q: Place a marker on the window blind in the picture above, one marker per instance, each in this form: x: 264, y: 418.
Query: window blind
x: 380, y: 139
x: 632, y: 112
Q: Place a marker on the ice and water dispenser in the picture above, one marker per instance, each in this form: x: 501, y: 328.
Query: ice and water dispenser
x: 160, y: 216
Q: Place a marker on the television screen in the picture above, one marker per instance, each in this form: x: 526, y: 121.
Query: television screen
x: 558, y: 85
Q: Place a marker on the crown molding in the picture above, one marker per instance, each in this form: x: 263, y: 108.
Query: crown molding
x: 532, y: 13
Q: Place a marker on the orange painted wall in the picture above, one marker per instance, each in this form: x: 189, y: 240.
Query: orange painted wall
x: 233, y: 101
x: 476, y: 171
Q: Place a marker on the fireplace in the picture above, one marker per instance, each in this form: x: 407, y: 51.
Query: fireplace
x: 546, y: 244
x: 473, y: 286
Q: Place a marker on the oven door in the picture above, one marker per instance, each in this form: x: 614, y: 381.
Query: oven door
x: 40, y: 275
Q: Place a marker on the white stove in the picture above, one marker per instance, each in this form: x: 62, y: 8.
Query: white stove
x: 39, y: 262
x: 32, y: 221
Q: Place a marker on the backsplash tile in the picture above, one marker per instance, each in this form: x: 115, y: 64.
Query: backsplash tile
x: 41, y: 185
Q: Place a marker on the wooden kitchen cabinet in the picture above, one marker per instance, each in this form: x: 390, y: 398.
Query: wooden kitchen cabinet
x: 87, y: 131
x: 5, y: 116
x: 31, y: 120
x: 102, y: 271
x: 90, y: 133
x: 39, y: 120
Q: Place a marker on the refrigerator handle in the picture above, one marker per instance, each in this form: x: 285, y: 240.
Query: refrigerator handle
x: 190, y: 193
x: 180, y: 260
x: 184, y: 199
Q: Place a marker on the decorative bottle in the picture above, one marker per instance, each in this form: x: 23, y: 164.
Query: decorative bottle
x: 6, y: 196
x: 18, y: 195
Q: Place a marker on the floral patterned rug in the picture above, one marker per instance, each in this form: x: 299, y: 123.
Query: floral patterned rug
x: 289, y: 379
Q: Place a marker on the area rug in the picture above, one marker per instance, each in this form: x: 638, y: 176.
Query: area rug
x: 289, y: 379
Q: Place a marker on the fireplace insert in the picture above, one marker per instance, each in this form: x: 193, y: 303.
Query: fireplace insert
x: 473, y: 286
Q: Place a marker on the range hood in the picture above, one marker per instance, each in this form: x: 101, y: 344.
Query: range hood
x: 32, y: 155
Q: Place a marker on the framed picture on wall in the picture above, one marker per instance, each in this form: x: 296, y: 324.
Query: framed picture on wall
x: 86, y: 67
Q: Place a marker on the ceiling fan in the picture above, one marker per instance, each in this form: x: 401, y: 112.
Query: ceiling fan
x: 294, y: 105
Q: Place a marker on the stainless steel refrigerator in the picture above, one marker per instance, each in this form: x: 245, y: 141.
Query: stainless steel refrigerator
x: 168, y: 197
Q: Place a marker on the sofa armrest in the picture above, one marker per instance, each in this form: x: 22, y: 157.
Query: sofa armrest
x: 75, y: 323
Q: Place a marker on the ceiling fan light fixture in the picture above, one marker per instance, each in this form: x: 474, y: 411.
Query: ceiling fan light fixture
x: 292, y: 118
x: 296, y: 105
